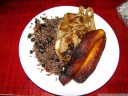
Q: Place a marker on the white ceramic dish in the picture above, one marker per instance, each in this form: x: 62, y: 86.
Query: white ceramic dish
x: 105, y: 69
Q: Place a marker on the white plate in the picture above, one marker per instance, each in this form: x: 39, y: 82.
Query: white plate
x: 105, y: 69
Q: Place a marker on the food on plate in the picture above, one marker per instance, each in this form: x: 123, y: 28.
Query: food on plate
x: 91, y: 61
x: 85, y: 58
x: 71, y: 29
x: 44, y: 38
x: 70, y: 46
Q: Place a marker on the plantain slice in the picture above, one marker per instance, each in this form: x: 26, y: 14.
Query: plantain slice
x: 80, y: 54
x: 90, y: 62
x: 82, y: 51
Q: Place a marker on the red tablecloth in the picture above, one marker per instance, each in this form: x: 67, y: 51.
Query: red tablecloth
x: 14, y: 16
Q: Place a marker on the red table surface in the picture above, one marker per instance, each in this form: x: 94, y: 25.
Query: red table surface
x: 15, y: 15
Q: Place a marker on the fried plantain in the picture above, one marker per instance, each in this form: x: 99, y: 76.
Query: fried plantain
x: 80, y: 55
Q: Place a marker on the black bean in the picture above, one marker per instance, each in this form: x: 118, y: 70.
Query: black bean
x: 43, y: 18
x: 61, y: 72
x: 36, y: 31
x: 43, y: 25
x: 57, y: 60
x: 42, y: 52
x: 39, y: 41
x: 36, y: 43
x: 43, y: 65
x: 31, y: 51
x: 40, y: 28
x: 36, y: 21
x: 52, y: 27
x: 33, y: 39
x: 41, y: 47
x: 48, y: 40
x: 29, y: 35
x: 52, y: 38
x: 44, y: 44
x: 51, y: 58
x: 71, y: 47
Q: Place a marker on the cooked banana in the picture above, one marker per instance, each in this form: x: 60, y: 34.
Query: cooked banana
x: 90, y: 62
x: 80, y: 54
x: 82, y: 51
x: 64, y: 79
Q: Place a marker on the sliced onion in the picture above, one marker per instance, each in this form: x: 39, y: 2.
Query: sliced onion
x: 57, y: 49
x: 75, y: 40
x: 73, y: 26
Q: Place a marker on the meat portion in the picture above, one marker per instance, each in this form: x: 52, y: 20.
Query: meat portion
x: 83, y: 52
